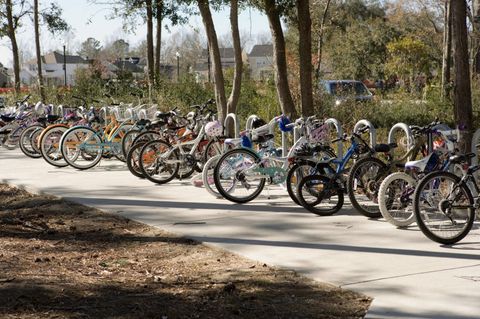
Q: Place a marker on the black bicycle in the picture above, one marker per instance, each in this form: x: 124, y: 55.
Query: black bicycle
x: 444, y: 204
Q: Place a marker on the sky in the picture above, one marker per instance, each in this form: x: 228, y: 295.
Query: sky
x: 89, y: 20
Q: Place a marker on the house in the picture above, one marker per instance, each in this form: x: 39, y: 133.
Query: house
x: 203, y: 67
x: 53, y: 69
x: 260, y: 61
x: 4, y: 77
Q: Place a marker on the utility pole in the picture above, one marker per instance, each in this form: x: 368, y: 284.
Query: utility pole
x: 65, y: 64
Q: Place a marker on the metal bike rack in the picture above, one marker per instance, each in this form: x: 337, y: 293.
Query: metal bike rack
x: 236, y: 123
x: 104, y: 114
x: 59, y: 110
x: 372, y: 131
x: 250, y: 120
x: 475, y: 141
x: 408, y: 132
x: 338, y: 128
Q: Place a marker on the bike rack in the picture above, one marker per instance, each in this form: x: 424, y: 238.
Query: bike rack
x: 104, y: 114
x: 475, y: 141
x: 338, y: 128
x: 402, y: 127
x: 250, y: 119
x: 372, y: 132
x: 236, y: 123
x: 59, y: 110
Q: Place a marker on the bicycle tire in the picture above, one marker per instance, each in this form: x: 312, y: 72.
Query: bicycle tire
x: 226, y: 193
x: 371, y: 189
x: 149, y: 150
x: 420, y: 196
x: 306, y: 184
x: 403, y: 216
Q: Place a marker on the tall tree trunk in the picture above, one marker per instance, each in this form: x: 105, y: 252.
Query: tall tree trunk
x: 305, y: 53
x: 462, y: 88
x: 447, y: 50
x: 150, y: 61
x: 237, y: 77
x: 13, y: 40
x: 476, y: 35
x: 37, y: 48
x: 215, y: 57
x: 158, y: 47
x: 280, y: 59
x: 320, y: 41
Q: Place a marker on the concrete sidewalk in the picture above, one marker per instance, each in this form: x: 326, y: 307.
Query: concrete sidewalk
x: 408, y: 275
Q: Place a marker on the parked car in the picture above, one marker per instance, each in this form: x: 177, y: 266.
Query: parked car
x: 345, y: 90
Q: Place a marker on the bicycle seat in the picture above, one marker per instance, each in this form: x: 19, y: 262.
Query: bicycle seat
x: 456, y: 159
x: 143, y: 122
x: 263, y: 138
x: 7, y: 118
x: 42, y: 120
x: 162, y: 115
x: 51, y: 118
x: 385, y: 148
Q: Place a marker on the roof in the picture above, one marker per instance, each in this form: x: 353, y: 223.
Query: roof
x: 58, y: 58
x: 225, y: 53
x: 128, y: 66
x: 262, y: 50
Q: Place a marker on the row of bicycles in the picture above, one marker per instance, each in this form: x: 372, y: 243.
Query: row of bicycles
x: 422, y: 180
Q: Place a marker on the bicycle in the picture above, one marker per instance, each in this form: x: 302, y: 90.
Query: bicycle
x: 243, y: 170
x: 395, y: 194
x: 445, y: 204
x: 328, y: 185
x: 161, y: 162
x: 83, y: 147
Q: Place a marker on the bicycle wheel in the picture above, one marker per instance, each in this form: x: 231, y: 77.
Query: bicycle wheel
x: 133, y: 159
x: 49, y: 145
x: 133, y: 155
x: 363, y: 182
x: 320, y: 195
x: 295, y: 174
x: 127, y: 140
x: 28, y: 139
x: 395, y: 198
x: 81, y: 147
x: 207, y: 176
x: 159, y: 162
x: 13, y: 138
x: 236, y: 178
x: 444, y: 208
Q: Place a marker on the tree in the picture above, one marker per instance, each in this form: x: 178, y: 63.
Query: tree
x: 9, y: 23
x: 237, y: 47
x: 150, y: 50
x: 158, y: 46
x: 476, y: 35
x: 274, y: 12
x: 304, y: 23
x: 407, y: 59
x: 320, y: 40
x: 90, y: 48
x: 462, y: 91
x: 52, y: 18
x: 214, y: 51
x: 447, y: 49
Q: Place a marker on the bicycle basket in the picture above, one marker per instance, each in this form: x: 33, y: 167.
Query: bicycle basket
x: 318, y: 134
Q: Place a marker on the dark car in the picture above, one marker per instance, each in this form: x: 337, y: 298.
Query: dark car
x: 344, y: 90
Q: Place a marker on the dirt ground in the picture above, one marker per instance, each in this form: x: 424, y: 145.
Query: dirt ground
x: 63, y: 260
